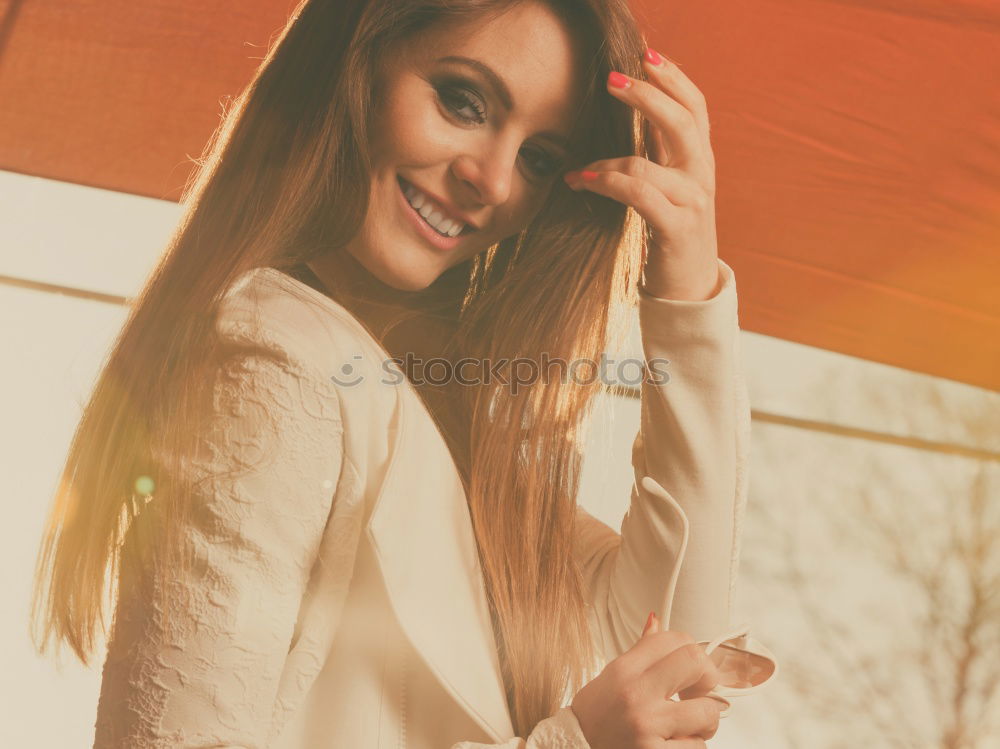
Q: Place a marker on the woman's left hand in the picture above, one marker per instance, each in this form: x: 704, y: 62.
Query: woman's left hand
x: 674, y: 191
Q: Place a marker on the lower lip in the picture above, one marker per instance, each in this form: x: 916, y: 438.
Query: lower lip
x: 439, y: 241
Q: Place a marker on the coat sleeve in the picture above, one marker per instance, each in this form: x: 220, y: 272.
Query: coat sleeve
x: 678, y: 550
x: 687, y: 500
x: 267, y: 471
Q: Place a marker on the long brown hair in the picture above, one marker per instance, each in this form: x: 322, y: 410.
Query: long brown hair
x: 291, y: 148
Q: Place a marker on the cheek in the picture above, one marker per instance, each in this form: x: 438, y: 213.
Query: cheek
x: 526, y: 207
x: 410, y: 129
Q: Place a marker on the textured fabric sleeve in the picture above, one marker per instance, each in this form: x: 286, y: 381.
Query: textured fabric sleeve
x: 560, y: 731
x: 678, y: 549
x: 267, y: 471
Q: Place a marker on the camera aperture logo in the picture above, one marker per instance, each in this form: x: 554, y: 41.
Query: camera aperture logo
x: 516, y: 373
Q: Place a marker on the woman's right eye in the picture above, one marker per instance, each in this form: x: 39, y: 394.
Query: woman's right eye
x: 463, y: 103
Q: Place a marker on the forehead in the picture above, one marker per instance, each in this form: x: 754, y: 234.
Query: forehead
x: 528, y: 47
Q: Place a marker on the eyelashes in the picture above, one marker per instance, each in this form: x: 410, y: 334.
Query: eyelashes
x: 460, y: 101
x: 542, y: 162
x: 468, y: 107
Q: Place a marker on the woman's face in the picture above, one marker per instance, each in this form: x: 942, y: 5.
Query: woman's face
x: 468, y: 129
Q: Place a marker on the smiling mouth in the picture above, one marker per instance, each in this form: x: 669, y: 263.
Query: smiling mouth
x: 431, y: 213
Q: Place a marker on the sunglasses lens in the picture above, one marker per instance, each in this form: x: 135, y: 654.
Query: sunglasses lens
x: 740, y: 669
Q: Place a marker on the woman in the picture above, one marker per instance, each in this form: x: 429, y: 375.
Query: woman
x: 308, y: 555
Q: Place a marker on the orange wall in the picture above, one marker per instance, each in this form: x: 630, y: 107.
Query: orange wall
x: 857, y: 143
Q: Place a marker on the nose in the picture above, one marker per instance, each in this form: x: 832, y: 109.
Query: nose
x: 488, y: 172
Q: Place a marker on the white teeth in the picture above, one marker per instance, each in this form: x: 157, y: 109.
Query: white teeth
x: 423, y: 205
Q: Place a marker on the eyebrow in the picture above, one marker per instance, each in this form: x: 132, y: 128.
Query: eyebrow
x: 500, y: 88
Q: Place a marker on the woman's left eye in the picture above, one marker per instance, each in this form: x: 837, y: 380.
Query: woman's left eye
x: 541, y: 162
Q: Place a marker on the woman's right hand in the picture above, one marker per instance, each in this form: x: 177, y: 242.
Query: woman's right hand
x: 628, y: 705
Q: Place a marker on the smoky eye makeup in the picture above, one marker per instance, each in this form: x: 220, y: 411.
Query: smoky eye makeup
x: 542, y: 163
x: 463, y: 101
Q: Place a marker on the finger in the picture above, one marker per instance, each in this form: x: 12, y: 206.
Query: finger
x: 657, y: 149
x: 698, y: 718
x: 677, y: 185
x: 724, y: 704
x: 700, y: 688
x: 668, y: 76
x: 660, y: 214
x: 678, y: 125
x: 652, y: 624
x: 684, y: 668
x: 649, y: 624
x: 654, y: 646
x: 713, y: 677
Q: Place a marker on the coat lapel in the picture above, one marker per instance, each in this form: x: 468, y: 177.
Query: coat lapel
x: 422, y: 535
x: 421, y: 530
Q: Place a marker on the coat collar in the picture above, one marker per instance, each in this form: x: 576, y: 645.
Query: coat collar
x: 421, y: 531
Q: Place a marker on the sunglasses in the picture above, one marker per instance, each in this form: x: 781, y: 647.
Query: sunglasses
x: 744, y: 665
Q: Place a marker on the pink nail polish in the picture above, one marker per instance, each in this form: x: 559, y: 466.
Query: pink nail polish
x: 588, y: 175
x: 653, y: 57
x: 618, y: 80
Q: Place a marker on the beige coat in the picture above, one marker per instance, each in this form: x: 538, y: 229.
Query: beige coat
x: 338, y: 601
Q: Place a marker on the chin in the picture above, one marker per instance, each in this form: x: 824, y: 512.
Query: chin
x: 409, y: 283
x: 400, y: 278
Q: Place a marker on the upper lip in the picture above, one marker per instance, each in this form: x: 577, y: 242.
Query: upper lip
x: 452, y: 212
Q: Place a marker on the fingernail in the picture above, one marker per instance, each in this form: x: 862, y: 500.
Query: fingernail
x: 649, y: 623
x: 652, y: 56
x: 588, y: 175
x: 618, y: 80
x: 723, y: 703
